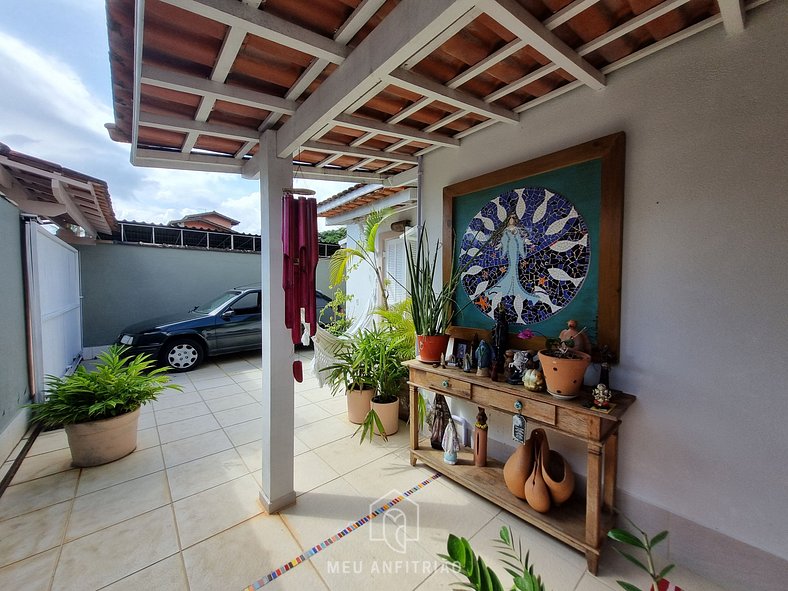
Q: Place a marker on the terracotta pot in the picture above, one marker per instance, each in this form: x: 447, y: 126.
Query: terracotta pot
x: 431, y: 347
x: 564, y: 377
x: 517, y: 468
x: 558, y: 476
x: 389, y: 415
x: 537, y: 495
x: 358, y: 404
x: 100, y: 442
x: 480, y: 447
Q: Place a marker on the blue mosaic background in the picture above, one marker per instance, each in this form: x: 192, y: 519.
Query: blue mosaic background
x: 545, y: 238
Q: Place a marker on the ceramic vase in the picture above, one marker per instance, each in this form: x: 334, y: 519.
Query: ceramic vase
x: 518, y: 467
x: 358, y: 404
x: 537, y: 495
x: 558, y: 476
x: 479, y: 447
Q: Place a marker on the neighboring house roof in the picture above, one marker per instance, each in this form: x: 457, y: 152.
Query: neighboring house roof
x: 353, y: 198
x: 358, y: 90
x: 62, y: 195
x: 214, y: 219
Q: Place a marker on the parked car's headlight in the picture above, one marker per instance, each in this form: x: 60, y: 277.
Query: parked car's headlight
x: 127, y: 339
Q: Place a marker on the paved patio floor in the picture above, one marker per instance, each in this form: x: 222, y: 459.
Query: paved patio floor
x: 182, y: 511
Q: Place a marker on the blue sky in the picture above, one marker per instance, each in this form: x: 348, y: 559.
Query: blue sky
x: 56, y: 96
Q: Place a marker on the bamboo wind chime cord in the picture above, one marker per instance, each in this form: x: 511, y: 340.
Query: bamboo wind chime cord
x: 339, y: 535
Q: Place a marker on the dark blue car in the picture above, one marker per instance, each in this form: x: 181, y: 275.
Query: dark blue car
x: 229, y: 323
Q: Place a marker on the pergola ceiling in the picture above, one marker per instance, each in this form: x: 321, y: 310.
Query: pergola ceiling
x: 64, y: 196
x: 359, y: 89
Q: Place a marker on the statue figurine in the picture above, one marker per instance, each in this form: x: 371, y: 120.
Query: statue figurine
x: 507, y: 365
x: 575, y: 339
x: 483, y: 360
x: 450, y: 443
x: 602, y: 396
x: 472, y: 351
x: 467, y: 364
x: 500, y: 335
x: 517, y: 367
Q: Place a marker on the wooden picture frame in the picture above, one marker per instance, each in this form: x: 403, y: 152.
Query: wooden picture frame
x: 610, y: 152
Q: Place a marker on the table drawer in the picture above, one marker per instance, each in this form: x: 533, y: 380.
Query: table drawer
x: 543, y: 412
x: 440, y: 383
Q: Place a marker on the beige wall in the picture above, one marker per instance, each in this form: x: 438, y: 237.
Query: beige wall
x: 704, y: 319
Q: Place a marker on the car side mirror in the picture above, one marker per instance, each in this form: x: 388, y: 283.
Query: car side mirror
x: 227, y: 314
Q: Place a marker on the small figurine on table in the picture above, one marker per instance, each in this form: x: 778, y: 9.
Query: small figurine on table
x: 517, y: 367
x: 450, y: 443
x: 602, y: 396
x: 483, y: 360
x: 480, y: 439
x: 575, y: 339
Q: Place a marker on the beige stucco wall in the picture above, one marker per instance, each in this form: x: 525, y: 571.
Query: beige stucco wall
x: 704, y: 318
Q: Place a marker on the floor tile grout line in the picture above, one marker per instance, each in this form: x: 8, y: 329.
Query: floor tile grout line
x: 175, y: 521
x: 65, y: 531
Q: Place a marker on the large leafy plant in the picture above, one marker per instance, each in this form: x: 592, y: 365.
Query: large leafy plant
x: 480, y: 576
x: 118, y: 385
x: 354, y: 363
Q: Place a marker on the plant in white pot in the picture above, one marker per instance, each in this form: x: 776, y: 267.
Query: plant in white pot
x: 100, y: 408
x: 351, y: 372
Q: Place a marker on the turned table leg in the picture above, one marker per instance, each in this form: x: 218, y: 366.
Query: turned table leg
x: 611, y: 465
x: 414, y: 421
x: 593, y: 505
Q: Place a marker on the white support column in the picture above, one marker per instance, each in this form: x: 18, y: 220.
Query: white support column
x: 278, y: 393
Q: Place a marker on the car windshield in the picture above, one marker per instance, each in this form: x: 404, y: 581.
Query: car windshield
x: 216, y: 303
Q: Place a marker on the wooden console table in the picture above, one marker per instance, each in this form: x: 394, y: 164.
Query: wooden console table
x: 581, y: 523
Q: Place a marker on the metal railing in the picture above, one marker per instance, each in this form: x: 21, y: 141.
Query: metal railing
x: 191, y: 238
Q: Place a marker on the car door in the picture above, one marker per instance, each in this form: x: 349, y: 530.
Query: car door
x: 238, y: 326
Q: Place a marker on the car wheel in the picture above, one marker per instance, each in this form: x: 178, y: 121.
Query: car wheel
x: 182, y: 354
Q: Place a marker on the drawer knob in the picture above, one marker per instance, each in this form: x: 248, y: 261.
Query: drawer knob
x: 445, y: 383
x: 518, y: 405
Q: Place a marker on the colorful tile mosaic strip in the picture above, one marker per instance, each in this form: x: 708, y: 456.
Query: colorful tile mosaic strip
x: 337, y: 536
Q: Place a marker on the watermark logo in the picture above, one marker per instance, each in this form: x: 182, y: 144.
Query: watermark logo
x: 398, y: 524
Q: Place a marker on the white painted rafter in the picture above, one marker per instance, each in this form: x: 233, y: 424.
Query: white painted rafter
x: 233, y: 94
x: 732, y: 12
x: 567, y: 13
x: 357, y: 152
x: 61, y: 193
x: 327, y: 160
x: 456, y: 98
x: 483, y: 65
x: 265, y: 25
x: 407, y: 28
x: 442, y: 37
x: 397, y: 145
x: 520, y: 82
x: 171, y: 123
x: 361, y: 164
x: 394, y: 130
x: 410, y: 109
x: 528, y: 28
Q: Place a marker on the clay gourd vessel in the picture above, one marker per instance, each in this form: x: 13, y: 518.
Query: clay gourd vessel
x: 537, y: 495
x: 517, y: 468
x: 557, y: 474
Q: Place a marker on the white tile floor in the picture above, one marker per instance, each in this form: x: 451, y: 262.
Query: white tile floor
x: 182, y: 512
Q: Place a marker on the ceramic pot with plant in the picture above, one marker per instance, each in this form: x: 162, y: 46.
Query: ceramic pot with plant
x: 100, y: 408
x: 388, y: 375
x: 432, y: 310
x: 563, y: 366
x: 351, y: 372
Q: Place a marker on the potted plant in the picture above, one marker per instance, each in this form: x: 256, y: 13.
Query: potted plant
x: 388, y: 375
x: 100, y: 408
x: 431, y: 310
x: 352, y: 372
x: 562, y: 365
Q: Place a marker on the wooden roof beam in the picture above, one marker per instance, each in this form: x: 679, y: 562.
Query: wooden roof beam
x: 266, y: 26
x: 510, y: 14
x: 357, y: 152
x: 60, y: 191
x: 394, y: 130
x: 410, y: 26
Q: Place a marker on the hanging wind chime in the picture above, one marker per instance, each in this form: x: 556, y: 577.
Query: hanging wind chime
x: 300, y: 253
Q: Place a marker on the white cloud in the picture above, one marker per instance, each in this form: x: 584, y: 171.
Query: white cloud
x: 45, y: 101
